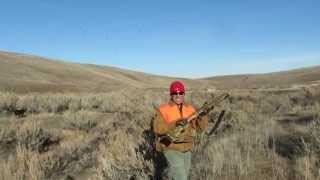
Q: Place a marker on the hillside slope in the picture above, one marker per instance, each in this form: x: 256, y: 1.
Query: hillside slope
x: 290, y: 78
x: 28, y: 73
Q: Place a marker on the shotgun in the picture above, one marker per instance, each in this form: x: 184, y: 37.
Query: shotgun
x: 182, y: 124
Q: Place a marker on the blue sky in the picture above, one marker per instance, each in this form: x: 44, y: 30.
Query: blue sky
x: 176, y: 38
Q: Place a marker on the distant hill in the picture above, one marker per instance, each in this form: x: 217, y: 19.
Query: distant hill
x: 289, y: 78
x: 28, y: 73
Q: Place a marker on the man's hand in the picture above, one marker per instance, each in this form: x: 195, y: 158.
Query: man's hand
x: 184, y: 121
x: 181, y: 122
x: 193, y: 117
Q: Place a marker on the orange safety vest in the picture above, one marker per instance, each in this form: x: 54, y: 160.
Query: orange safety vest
x: 171, y: 113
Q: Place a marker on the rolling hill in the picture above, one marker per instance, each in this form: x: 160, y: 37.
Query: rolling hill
x: 28, y: 73
x: 23, y: 73
x: 302, y: 76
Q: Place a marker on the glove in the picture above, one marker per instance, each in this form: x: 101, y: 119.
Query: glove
x: 166, y: 140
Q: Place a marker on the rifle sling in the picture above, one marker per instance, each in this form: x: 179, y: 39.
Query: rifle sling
x: 217, y: 123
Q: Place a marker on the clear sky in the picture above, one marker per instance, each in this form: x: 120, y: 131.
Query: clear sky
x: 186, y: 38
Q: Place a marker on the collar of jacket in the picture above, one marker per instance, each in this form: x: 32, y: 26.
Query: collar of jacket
x: 171, y: 103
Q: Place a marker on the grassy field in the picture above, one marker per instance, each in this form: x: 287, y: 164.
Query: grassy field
x: 266, y: 134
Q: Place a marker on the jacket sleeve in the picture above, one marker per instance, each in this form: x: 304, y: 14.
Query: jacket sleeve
x: 201, y: 124
x: 160, y: 127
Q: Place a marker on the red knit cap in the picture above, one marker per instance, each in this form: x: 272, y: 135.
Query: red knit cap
x: 176, y: 86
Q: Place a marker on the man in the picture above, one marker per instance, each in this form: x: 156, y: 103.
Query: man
x: 168, y: 117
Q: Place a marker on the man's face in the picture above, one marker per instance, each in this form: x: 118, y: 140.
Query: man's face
x: 178, y: 97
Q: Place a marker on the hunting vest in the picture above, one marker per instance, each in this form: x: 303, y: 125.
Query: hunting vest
x: 171, y: 113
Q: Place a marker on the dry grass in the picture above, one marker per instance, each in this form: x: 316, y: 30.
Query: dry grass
x: 25, y: 165
x: 119, y: 159
x: 107, y: 136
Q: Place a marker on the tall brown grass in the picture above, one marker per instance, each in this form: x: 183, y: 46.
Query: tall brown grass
x: 105, y: 136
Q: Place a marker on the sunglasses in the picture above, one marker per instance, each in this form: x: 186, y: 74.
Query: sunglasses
x: 177, y: 93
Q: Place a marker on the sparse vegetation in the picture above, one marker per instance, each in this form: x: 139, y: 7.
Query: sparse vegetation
x: 265, y: 135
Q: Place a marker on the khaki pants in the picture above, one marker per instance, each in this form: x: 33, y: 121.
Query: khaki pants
x: 179, y: 164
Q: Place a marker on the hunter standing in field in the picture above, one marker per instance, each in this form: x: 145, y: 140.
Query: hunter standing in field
x: 167, y: 120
